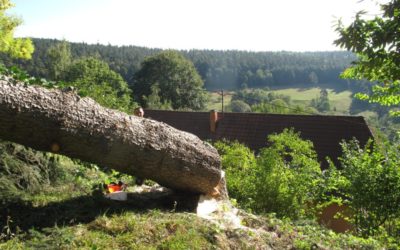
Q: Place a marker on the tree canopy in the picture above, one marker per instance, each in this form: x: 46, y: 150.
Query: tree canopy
x: 94, y: 78
x: 228, y: 70
x: 175, y: 77
x: 16, y: 47
x: 377, y: 44
x: 240, y: 106
x: 59, y: 58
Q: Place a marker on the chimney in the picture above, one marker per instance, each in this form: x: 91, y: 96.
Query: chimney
x: 213, y: 120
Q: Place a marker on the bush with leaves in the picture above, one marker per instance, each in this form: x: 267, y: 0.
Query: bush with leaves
x: 368, y: 181
x: 239, y: 164
x: 276, y: 106
x: 95, y: 79
x: 91, y: 77
x: 321, y: 102
x: 377, y: 43
x: 16, y: 47
x: 240, y: 106
x: 288, y: 176
x: 15, y: 74
x: 153, y: 101
x: 283, y: 179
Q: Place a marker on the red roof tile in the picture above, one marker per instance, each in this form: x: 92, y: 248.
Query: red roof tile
x: 252, y: 129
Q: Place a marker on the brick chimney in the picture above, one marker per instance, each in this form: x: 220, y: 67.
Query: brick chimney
x: 213, y: 120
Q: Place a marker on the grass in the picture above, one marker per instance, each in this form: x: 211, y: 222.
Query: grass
x: 128, y: 230
x: 67, y: 217
x: 339, y: 99
x: 215, y: 101
x: 93, y: 222
x: 72, y: 213
x: 164, y: 230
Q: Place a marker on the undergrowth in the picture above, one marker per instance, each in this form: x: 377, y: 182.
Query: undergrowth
x: 59, y: 206
x: 67, y: 217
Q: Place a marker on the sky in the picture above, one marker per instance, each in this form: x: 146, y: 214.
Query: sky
x: 250, y: 25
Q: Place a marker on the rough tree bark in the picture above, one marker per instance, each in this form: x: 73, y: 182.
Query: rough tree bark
x: 60, y: 121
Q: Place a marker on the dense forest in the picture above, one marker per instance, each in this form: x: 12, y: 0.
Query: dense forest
x: 228, y: 70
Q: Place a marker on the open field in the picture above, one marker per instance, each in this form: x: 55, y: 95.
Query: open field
x: 216, y: 100
x: 339, y: 100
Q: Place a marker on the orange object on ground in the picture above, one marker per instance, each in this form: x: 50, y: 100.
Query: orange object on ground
x: 114, y: 188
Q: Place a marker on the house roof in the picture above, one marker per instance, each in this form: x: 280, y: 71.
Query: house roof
x: 252, y: 129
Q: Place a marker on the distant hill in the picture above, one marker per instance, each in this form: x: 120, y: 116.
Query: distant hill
x: 219, y: 69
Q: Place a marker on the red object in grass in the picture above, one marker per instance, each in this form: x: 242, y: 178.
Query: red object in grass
x: 114, y: 188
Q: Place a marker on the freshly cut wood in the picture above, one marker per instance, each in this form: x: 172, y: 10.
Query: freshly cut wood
x: 62, y: 122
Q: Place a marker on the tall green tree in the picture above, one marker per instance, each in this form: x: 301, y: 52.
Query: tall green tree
x: 59, y: 59
x: 276, y: 106
x: 94, y: 78
x: 377, y: 44
x: 153, y: 100
x: 321, y: 102
x: 177, y: 80
x: 313, y: 78
x: 16, y: 47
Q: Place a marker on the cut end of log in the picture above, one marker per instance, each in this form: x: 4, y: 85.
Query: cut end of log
x: 220, y: 191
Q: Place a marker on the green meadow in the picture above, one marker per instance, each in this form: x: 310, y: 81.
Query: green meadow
x: 339, y: 100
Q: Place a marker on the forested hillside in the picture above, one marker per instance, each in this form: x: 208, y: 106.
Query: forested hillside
x: 219, y: 69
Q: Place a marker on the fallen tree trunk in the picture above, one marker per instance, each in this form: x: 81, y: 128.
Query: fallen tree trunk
x: 62, y: 122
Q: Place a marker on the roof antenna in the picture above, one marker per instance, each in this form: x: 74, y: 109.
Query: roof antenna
x: 222, y: 101
x: 222, y: 94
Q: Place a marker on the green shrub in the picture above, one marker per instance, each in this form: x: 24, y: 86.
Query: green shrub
x: 369, y: 183
x: 95, y: 79
x: 239, y: 164
x: 240, y: 106
x: 283, y: 179
x: 288, y: 176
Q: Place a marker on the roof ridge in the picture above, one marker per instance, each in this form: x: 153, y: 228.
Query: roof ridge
x: 252, y: 113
